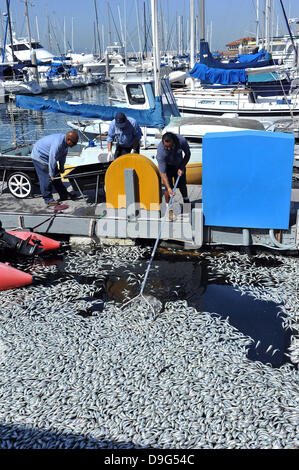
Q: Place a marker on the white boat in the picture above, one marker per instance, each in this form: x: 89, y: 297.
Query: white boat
x: 96, y: 65
x: 118, y: 65
x: 138, y: 94
x: 193, y: 129
x: 78, y: 81
x: 282, y: 50
x: 178, y: 77
x: 216, y: 102
x: 54, y: 83
x: 81, y: 58
x: 21, y: 48
x: 21, y: 87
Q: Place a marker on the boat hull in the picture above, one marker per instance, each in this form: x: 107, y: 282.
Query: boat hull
x: 241, y: 113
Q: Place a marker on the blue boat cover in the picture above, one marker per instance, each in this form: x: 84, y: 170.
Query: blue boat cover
x: 252, y: 58
x: 207, y: 59
x: 153, y: 117
x: 220, y: 76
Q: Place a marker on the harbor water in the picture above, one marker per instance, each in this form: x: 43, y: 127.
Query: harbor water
x: 216, y: 368
x: 22, y: 125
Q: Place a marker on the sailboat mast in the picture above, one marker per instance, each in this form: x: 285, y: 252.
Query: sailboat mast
x: 10, y: 32
x: 145, y: 32
x: 49, y: 32
x: 125, y: 35
x: 192, y: 34
x: 37, y: 28
x: 162, y: 30
x: 64, y: 36
x: 192, y: 39
x: 264, y: 15
x: 268, y: 24
x: 109, y: 26
x: 202, y: 21
x: 257, y: 23
x: 156, y: 54
x: 28, y: 26
x: 97, y: 27
x: 95, y: 37
x: 121, y: 27
x: 139, y: 37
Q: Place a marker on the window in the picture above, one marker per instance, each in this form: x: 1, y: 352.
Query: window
x: 278, y: 48
x: 20, y: 47
x: 206, y: 102
x: 228, y: 103
x: 36, y: 45
x: 135, y: 94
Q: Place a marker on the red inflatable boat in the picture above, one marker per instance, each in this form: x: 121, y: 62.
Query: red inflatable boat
x: 11, y: 277
x: 46, y: 243
x: 24, y: 243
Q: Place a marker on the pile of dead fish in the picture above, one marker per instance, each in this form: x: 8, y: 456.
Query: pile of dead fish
x: 121, y: 379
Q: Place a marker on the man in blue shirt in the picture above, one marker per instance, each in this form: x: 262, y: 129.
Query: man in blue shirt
x: 46, y: 154
x: 171, y: 164
x: 127, y: 133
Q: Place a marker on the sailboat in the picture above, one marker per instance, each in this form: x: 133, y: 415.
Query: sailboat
x: 220, y: 92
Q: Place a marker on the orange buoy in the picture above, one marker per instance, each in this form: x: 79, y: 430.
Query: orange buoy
x: 47, y: 243
x: 10, y: 277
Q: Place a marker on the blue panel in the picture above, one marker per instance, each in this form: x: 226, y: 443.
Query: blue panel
x: 247, y: 179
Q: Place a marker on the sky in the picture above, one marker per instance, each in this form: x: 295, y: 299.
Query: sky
x: 226, y: 21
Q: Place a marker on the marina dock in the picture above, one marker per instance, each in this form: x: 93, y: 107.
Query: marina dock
x: 93, y: 222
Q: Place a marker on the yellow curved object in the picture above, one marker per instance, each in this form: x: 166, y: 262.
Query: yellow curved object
x: 194, y: 173
x: 148, y: 182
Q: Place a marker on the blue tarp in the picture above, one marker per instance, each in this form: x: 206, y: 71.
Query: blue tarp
x: 253, y: 58
x: 153, y: 117
x: 220, y: 76
x: 54, y: 71
x: 207, y: 59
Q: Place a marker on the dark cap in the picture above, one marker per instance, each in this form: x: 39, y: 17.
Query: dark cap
x: 120, y: 120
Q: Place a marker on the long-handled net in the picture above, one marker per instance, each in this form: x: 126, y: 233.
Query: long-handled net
x: 150, y: 300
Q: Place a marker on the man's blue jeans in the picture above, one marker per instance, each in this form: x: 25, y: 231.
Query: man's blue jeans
x: 46, y: 186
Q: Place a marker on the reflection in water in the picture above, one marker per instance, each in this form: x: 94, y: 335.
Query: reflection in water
x: 29, y: 125
x: 181, y: 280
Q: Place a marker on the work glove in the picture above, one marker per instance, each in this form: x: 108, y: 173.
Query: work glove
x: 109, y: 156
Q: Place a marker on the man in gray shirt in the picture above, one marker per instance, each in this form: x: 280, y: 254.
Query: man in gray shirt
x: 127, y: 133
x: 46, y: 154
x: 171, y: 163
